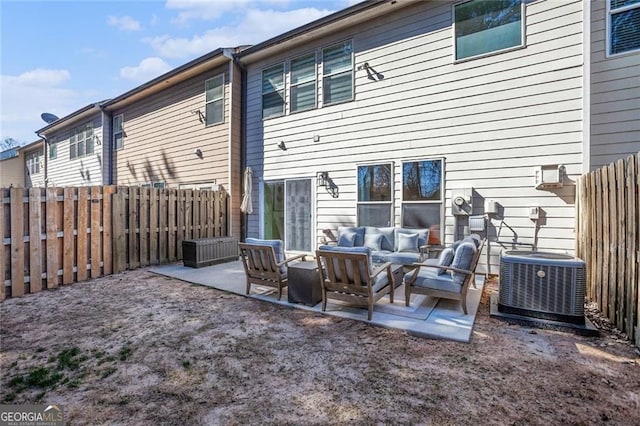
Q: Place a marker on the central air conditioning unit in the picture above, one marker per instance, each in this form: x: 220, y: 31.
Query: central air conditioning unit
x: 542, y: 285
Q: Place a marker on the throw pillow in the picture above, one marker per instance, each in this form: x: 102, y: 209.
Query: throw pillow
x: 445, y: 259
x: 346, y: 239
x: 408, y: 243
x: 373, y: 241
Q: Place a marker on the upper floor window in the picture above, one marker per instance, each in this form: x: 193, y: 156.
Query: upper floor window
x: 118, y: 133
x: 623, y: 23
x: 302, y: 90
x: 337, y: 73
x: 422, y: 195
x: 81, y: 141
x: 214, y: 100
x: 487, y: 26
x: 53, y: 148
x: 33, y: 162
x: 375, y: 195
x: 273, y: 91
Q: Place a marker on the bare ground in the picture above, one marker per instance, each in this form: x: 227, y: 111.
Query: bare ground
x: 138, y: 348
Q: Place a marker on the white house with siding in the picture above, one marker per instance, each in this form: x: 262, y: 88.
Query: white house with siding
x: 75, y: 154
x: 405, y: 105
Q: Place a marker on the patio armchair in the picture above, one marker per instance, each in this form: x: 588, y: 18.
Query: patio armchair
x: 449, y: 276
x: 265, y: 264
x: 348, y: 275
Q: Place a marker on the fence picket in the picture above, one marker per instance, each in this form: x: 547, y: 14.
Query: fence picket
x: 153, y: 226
x: 17, y: 242
x: 134, y: 230
x: 35, y: 245
x: 82, y: 256
x: 107, y: 265
x: 118, y: 228
x: 143, y: 217
x: 611, y: 264
x: 162, y: 225
x: 4, y: 267
x: 53, y: 260
x: 68, y: 240
x: 95, y: 221
x: 171, y: 225
x: 621, y: 281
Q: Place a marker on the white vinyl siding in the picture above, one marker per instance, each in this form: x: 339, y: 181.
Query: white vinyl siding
x: 214, y: 100
x: 494, y: 119
x: 615, y: 95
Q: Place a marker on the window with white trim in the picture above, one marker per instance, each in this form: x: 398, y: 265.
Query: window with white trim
x: 302, y: 88
x: 375, y: 190
x: 33, y: 162
x: 482, y: 27
x: 154, y: 184
x: 422, y: 194
x: 81, y: 141
x: 53, y: 147
x: 214, y: 100
x: 273, y: 91
x: 623, y: 26
x: 118, y: 133
x: 337, y: 73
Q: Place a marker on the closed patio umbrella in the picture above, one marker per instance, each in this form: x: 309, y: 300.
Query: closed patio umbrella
x: 246, y: 206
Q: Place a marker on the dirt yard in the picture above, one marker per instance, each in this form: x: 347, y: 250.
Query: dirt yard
x: 138, y: 348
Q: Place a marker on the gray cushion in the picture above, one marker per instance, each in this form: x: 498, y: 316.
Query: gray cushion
x: 347, y: 239
x: 381, y: 280
x: 388, y: 241
x: 380, y: 256
x: 373, y: 241
x: 278, y: 248
x: 429, y: 278
x: 359, y: 230
x: 462, y: 260
x: 423, y: 236
x: 445, y: 259
x: 402, y: 258
x: 408, y: 243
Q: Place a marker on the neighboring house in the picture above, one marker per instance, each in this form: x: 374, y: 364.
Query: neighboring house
x: 23, y: 166
x: 383, y: 113
x: 181, y: 130
x: 74, y: 148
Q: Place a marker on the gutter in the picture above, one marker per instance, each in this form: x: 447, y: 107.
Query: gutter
x: 243, y: 140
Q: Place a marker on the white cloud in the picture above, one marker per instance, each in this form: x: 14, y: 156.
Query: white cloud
x: 203, y: 9
x: 124, y: 23
x: 255, y: 27
x: 26, y: 96
x: 147, y: 69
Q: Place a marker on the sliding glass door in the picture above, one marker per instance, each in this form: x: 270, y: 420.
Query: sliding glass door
x: 288, y: 213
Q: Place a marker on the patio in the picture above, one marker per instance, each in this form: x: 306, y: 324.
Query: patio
x: 426, y: 317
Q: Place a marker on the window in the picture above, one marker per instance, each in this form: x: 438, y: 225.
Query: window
x: 486, y: 26
x: 154, y: 184
x: 374, y: 195
x: 33, y: 163
x: 273, y: 91
x: 302, y: 90
x: 623, y: 26
x: 337, y: 71
x: 422, y: 194
x: 214, y: 100
x: 81, y: 141
x: 53, y: 147
x: 118, y: 133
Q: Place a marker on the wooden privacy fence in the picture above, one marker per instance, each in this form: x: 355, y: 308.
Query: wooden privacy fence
x: 608, y: 239
x: 57, y: 236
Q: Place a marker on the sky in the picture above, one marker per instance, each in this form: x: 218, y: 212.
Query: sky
x: 60, y: 56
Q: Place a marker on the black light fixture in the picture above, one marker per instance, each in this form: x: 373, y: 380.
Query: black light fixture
x: 282, y: 146
x: 322, y: 178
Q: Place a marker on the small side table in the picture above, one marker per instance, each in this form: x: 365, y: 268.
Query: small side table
x: 398, y: 274
x: 304, y: 284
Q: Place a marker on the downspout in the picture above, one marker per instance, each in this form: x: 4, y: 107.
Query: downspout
x: 243, y: 142
x: 46, y: 158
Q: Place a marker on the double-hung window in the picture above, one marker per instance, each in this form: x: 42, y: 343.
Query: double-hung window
x: 273, y: 91
x: 375, y: 191
x: 302, y: 90
x: 482, y: 27
x: 33, y: 163
x: 53, y: 148
x: 422, y: 194
x: 118, y: 133
x: 81, y: 141
x: 214, y: 100
x: 337, y: 73
x: 623, y: 26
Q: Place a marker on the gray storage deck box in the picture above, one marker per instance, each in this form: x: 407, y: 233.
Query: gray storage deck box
x: 208, y: 251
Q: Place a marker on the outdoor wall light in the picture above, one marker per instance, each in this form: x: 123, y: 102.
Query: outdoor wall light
x: 322, y: 178
x: 200, y: 114
x: 198, y: 152
x: 282, y: 146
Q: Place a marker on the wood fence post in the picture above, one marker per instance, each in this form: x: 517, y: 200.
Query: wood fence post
x: 3, y: 251
x: 35, y: 244
x: 17, y: 242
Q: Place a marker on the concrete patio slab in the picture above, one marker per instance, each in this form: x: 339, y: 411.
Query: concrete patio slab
x: 425, y: 317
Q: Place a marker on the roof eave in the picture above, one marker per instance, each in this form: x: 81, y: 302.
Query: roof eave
x: 70, y: 119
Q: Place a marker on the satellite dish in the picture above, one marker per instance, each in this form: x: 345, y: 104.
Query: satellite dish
x: 48, y: 117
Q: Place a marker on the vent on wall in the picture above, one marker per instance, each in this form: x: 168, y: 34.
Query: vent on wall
x: 546, y: 177
x: 542, y: 285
